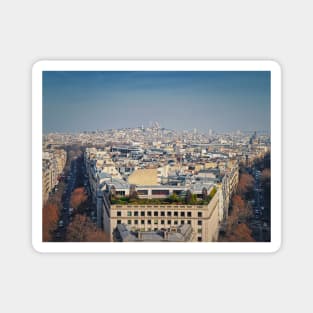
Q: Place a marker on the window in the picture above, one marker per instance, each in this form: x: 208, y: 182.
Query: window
x: 169, y: 213
x: 155, y: 229
x: 142, y: 222
x: 199, y: 231
x: 142, y: 213
x: 189, y: 222
x: 169, y: 222
x: 149, y: 222
x: 162, y: 213
x: 199, y: 222
x: 199, y: 239
x: 177, y: 192
x: 129, y: 222
x: 199, y: 214
x: 129, y: 213
x: 155, y: 222
x: 142, y: 192
x: 175, y: 222
x: 182, y: 222
x: 161, y: 192
x: 162, y: 222
x: 182, y: 214
x: 119, y: 222
x: 120, y: 192
x: 189, y: 214
x: 119, y: 213
x: 175, y: 213
x: 149, y: 213
x: 136, y: 222
x: 156, y: 213
x: 136, y: 213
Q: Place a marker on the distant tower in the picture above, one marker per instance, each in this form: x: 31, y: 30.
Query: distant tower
x: 195, y: 130
x: 210, y: 132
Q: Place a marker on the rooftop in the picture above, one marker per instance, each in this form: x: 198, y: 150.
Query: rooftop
x: 187, y: 198
x: 180, y: 234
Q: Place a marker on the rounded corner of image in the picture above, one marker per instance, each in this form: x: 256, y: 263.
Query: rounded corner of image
x: 37, y: 246
x: 38, y: 65
x: 275, y: 247
x: 275, y: 65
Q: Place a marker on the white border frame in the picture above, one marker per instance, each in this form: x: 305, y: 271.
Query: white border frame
x: 161, y: 65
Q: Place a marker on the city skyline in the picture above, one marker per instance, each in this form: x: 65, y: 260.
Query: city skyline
x: 222, y: 101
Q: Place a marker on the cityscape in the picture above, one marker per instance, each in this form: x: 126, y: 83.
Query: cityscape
x: 161, y: 177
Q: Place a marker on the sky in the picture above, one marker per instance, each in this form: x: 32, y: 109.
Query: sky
x: 75, y: 101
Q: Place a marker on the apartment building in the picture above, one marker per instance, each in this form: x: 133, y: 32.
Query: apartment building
x: 157, y: 183
x: 228, y: 187
x: 203, y: 219
x: 53, y: 162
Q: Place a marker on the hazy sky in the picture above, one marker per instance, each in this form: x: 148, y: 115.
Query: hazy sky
x: 222, y: 101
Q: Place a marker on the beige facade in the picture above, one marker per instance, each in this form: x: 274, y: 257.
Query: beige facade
x: 228, y: 187
x: 46, y: 184
x: 60, y: 157
x: 52, y: 167
x: 204, y: 219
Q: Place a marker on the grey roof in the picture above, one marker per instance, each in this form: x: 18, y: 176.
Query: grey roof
x: 151, y: 236
x: 125, y: 234
x: 199, y: 186
x: 103, y: 175
x: 118, y: 183
x: 182, y: 233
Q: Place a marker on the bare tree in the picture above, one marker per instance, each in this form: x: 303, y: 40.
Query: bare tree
x: 78, y: 196
x: 82, y: 229
x: 50, y: 216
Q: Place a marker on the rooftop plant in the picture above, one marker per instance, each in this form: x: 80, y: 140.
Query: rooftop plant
x: 189, y: 199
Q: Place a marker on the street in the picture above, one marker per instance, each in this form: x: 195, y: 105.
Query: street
x: 66, y: 212
x: 259, y: 222
x: 75, y: 178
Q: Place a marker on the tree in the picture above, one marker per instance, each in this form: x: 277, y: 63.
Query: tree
x: 212, y: 193
x: 81, y: 229
x: 266, y: 182
x: 78, y: 196
x: 238, y: 216
x: 173, y: 198
x: 266, y: 175
x: 50, y: 216
x: 241, y: 233
x: 191, y: 198
x: 96, y: 235
x: 239, y: 208
x: 246, y: 183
